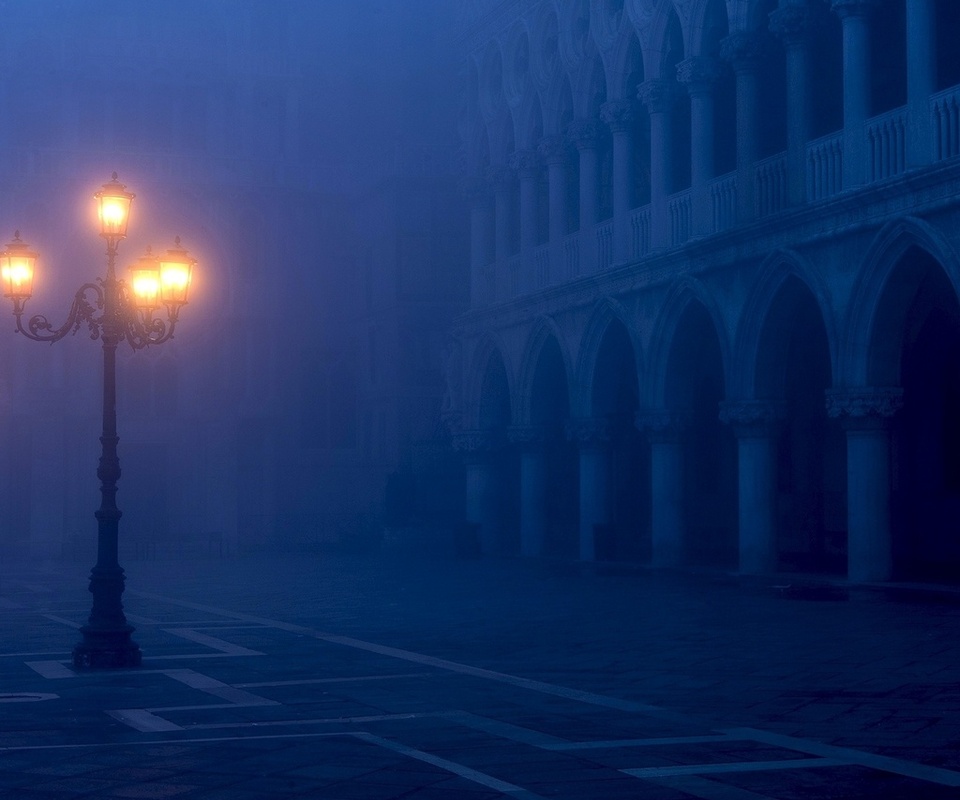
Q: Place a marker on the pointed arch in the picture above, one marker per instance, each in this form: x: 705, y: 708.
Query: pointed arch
x: 529, y: 119
x: 662, y: 32
x: 544, y: 329
x: 858, y: 363
x: 558, y: 108
x: 606, y: 312
x: 488, y: 348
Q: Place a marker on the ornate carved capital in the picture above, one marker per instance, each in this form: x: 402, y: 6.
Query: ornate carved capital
x: 794, y: 23
x: 661, y: 426
x: 589, y: 432
x: 501, y: 178
x: 617, y: 115
x: 584, y: 133
x: 746, y: 51
x: 864, y: 408
x: 699, y: 74
x: 474, y: 445
x: 525, y: 163
x: 527, y: 437
x: 853, y: 8
x: 750, y: 418
x: 475, y: 188
x: 657, y: 96
x: 554, y: 149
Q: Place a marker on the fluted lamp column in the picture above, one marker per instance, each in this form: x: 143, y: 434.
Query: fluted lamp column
x: 112, y: 310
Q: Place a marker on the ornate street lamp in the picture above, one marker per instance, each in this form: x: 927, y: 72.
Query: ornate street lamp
x: 113, y: 310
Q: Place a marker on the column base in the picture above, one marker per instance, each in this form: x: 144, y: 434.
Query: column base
x: 110, y: 648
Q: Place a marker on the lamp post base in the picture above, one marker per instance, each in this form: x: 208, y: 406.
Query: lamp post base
x: 106, y: 649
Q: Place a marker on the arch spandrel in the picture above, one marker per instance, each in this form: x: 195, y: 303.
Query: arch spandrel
x: 607, y: 312
x: 880, y: 263
x: 490, y: 94
x: 625, y: 60
x: 543, y: 330
x: 656, y: 45
x: 680, y: 297
x: 772, y: 275
x: 489, y: 347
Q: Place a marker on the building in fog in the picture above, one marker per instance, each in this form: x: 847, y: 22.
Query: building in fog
x: 286, y: 152
x: 714, y: 309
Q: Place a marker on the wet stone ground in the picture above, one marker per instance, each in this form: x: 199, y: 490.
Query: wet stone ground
x: 333, y: 677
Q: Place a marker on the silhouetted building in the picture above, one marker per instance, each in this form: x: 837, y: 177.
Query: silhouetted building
x: 714, y: 283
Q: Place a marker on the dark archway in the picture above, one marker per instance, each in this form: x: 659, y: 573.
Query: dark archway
x: 694, y: 388
x: 615, y: 398
x: 793, y: 371
x: 550, y: 410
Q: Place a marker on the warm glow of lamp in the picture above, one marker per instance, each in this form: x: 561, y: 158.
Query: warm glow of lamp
x: 113, y: 209
x: 145, y: 282
x: 176, y: 268
x: 17, y: 263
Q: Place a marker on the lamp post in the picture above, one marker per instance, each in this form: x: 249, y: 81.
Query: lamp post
x: 113, y: 310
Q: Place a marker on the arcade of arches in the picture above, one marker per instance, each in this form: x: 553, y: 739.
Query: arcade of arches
x: 715, y: 314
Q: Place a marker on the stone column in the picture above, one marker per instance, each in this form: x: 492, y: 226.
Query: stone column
x: 665, y: 433
x: 533, y: 488
x: 554, y: 151
x: 482, y: 497
x: 502, y: 179
x: 658, y: 97
x: 921, y: 77
x: 585, y: 135
x: 618, y: 117
x: 755, y: 424
x: 855, y: 17
x: 593, y: 438
x: 700, y: 75
x: 746, y: 52
x: 526, y: 166
x: 865, y: 414
x: 793, y: 25
x: 477, y: 192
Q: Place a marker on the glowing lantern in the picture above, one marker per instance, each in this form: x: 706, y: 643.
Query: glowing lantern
x: 16, y: 269
x: 176, y: 268
x: 145, y: 282
x: 113, y: 209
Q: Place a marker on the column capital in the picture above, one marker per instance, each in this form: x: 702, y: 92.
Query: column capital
x: 699, y: 74
x: 473, y: 444
x: 853, y: 8
x: 751, y: 418
x: 794, y: 23
x: 661, y: 426
x: 745, y: 50
x: 527, y: 436
x: 501, y: 178
x: 584, y: 133
x: 589, y: 431
x: 476, y: 188
x: 617, y: 115
x: 864, y: 407
x: 657, y: 96
x: 554, y: 149
x: 524, y: 163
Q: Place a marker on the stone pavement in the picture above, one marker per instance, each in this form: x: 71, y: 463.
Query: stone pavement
x: 390, y: 677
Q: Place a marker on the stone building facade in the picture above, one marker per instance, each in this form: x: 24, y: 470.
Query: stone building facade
x: 714, y: 283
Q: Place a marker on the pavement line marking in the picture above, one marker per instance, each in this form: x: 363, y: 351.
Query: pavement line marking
x: 181, y: 656
x: 51, y: 669
x: 611, y: 744
x: 326, y: 721
x: 60, y: 653
x: 142, y: 720
x: 707, y: 789
x: 737, y: 766
x: 4, y: 603
x: 212, y: 642
x: 312, y: 681
x: 909, y: 769
x: 63, y: 621
x: 151, y: 742
x: 459, y: 770
x: 141, y: 620
x: 505, y: 730
x: 234, y: 696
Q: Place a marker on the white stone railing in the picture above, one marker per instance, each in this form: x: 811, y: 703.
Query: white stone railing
x: 680, y: 206
x: 824, y: 166
x: 771, y: 185
x: 945, y: 112
x: 723, y: 199
x: 640, y: 232
x: 605, y: 244
x: 886, y: 145
x: 571, y: 255
x: 541, y: 266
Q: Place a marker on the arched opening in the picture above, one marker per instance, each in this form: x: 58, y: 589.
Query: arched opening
x: 694, y: 388
x: 673, y: 54
x: 793, y: 372
x: 888, y: 57
x: 947, y: 33
x: 504, y: 498
x: 826, y: 75
x: 565, y: 118
x: 550, y: 410
x: 615, y: 398
x: 724, y: 91
x: 597, y: 97
x: 916, y: 342
x: 640, y: 126
x: 773, y: 89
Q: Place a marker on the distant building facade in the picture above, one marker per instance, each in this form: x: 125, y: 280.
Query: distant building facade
x: 714, y: 309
